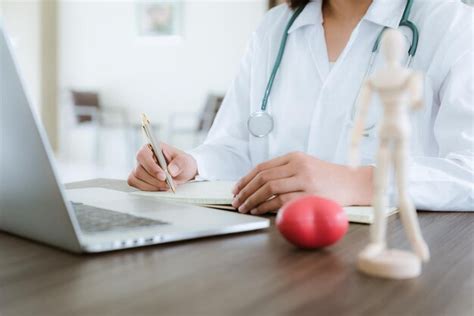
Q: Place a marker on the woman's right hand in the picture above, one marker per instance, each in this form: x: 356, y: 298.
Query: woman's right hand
x: 148, y: 176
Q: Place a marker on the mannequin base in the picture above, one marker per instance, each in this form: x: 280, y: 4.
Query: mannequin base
x: 390, y: 264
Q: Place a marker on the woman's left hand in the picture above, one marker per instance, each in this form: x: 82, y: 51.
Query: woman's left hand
x: 273, y: 183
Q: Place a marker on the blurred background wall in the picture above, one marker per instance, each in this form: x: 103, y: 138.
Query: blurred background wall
x: 22, y: 19
x: 100, y: 49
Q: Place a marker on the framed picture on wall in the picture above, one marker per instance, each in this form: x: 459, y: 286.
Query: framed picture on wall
x: 159, y: 17
x: 272, y: 3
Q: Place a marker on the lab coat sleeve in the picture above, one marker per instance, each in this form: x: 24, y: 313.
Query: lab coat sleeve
x: 445, y: 183
x: 224, y: 155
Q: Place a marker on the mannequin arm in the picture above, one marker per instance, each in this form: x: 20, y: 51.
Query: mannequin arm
x: 363, y: 104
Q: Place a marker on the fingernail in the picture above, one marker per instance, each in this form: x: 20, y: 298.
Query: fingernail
x: 161, y: 176
x: 254, y: 211
x: 234, y: 190
x: 173, y: 169
x: 235, y: 203
x: 243, y: 209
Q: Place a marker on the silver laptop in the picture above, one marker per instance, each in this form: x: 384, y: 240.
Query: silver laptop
x: 33, y: 204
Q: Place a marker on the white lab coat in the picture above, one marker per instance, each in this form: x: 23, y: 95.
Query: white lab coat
x: 311, y: 103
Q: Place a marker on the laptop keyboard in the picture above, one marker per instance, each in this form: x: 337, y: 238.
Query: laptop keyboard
x: 95, y: 220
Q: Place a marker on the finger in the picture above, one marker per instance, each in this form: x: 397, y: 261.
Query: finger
x: 260, y: 180
x: 259, y: 168
x: 139, y: 184
x: 168, y: 151
x: 177, y: 165
x: 143, y: 175
x: 268, y: 190
x: 146, y: 159
x: 276, y: 203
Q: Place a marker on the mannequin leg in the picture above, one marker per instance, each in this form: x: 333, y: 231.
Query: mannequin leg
x: 407, y: 209
x: 379, y: 227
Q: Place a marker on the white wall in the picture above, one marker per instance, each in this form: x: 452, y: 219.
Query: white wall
x: 100, y: 48
x: 21, y: 20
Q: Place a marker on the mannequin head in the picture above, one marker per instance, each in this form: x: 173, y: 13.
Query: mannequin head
x: 393, y: 46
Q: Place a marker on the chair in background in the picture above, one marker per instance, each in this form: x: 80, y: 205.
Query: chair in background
x: 195, y: 125
x: 88, y: 110
x: 86, y: 106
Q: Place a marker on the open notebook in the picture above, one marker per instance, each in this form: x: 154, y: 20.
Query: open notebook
x: 218, y: 194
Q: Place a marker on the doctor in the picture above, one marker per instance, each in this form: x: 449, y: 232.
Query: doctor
x: 300, y: 145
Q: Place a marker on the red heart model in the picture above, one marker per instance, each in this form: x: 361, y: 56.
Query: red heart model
x: 312, y: 222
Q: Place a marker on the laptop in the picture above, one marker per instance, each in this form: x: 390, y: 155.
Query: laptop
x: 34, y: 204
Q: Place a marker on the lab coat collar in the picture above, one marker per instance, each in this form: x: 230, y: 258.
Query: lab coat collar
x: 311, y: 15
x: 386, y: 12
x: 383, y: 12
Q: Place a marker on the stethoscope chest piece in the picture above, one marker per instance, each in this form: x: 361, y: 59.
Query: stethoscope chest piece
x: 260, y: 124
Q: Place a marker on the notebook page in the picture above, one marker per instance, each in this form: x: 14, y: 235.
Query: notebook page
x: 364, y: 214
x: 198, y: 192
x: 218, y: 194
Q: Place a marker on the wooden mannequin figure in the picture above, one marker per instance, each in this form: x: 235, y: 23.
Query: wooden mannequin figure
x: 400, y: 90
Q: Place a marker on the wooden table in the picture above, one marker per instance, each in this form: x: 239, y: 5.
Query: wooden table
x: 255, y: 273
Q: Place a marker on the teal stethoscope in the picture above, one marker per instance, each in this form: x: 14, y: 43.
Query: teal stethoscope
x: 260, y: 123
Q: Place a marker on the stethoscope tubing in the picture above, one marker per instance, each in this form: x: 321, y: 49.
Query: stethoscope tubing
x: 279, y: 58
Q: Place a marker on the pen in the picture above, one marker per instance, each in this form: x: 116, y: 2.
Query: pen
x: 156, y: 149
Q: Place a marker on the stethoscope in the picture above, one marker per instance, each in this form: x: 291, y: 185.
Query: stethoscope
x: 260, y: 123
